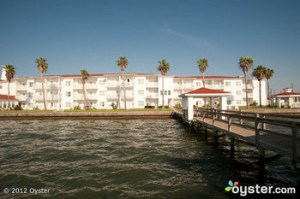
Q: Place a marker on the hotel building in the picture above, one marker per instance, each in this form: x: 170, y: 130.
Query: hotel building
x: 66, y: 91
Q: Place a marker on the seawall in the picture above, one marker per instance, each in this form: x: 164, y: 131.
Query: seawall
x: 99, y: 115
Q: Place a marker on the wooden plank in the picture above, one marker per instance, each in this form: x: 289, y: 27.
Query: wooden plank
x: 275, y: 142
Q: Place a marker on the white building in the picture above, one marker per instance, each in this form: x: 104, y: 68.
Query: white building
x: 65, y: 91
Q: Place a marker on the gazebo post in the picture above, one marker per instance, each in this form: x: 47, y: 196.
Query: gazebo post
x: 190, y: 102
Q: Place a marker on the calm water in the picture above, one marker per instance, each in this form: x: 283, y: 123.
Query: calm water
x: 121, y: 159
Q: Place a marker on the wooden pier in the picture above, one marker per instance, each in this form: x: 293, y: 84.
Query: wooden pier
x: 277, y: 133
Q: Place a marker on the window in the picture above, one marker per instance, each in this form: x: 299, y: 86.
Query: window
x: 68, y: 104
x: 141, y: 103
x: 238, y: 92
x: 141, y: 92
x: 166, y: 92
x: 68, y: 83
x: 1, y: 87
x: 30, y: 84
x: 198, y: 84
x: 51, y: 105
x: 227, y: 84
x: 101, y: 93
x: 30, y: 95
x: 102, y: 104
x: 169, y: 92
x: 140, y: 81
x: 238, y: 83
x: 238, y: 102
x: 101, y: 81
x: 68, y: 94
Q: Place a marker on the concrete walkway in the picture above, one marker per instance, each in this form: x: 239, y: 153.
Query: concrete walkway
x: 102, y: 115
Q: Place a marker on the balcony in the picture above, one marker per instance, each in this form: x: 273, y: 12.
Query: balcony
x: 152, y: 95
x: 112, y: 96
x: 177, y: 86
x: 48, y: 98
x: 250, y: 95
x: 113, y: 84
x: 91, y: 87
x: 22, y: 97
x: 20, y: 87
x: 38, y: 86
x: 152, y: 84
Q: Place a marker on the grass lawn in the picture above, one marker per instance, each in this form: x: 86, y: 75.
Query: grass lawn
x: 91, y: 110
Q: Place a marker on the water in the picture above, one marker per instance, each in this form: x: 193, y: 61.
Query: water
x: 92, y: 158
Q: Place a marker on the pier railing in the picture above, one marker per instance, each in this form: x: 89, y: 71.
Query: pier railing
x: 262, y: 124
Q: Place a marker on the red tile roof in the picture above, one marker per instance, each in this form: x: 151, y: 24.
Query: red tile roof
x: 207, y: 91
x: 7, y: 97
x: 287, y: 94
x: 209, y: 77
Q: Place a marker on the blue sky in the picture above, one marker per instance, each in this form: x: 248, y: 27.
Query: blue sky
x: 81, y: 34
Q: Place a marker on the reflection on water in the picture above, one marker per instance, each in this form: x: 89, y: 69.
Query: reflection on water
x: 116, y: 159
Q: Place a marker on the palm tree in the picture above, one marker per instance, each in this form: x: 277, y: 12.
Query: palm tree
x: 268, y: 74
x: 245, y: 64
x: 123, y: 62
x: 42, y: 66
x: 163, y: 68
x: 9, y: 73
x: 84, y: 76
x: 259, y: 73
x: 203, y: 65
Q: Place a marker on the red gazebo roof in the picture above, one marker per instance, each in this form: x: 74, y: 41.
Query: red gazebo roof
x: 287, y: 94
x: 206, y: 92
x: 7, y: 97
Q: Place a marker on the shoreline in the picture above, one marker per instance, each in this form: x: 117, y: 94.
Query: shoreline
x: 96, y: 115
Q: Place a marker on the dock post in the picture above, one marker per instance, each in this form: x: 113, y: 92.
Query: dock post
x: 216, y: 136
x: 262, y: 156
x: 261, y: 163
x: 240, y: 114
x: 257, y: 130
x: 232, y: 147
x: 295, y: 137
x: 205, y: 132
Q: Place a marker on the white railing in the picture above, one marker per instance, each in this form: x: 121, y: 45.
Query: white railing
x: 152, y: 84
x: 152, y: 95
x: 21, y: 87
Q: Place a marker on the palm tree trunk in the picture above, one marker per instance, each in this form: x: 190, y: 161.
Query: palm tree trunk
x: 44, y: 97
x: 8, y: 90
x: 204, y: 87
x: 203, y: 80
x: 124, y: 90
x: 268, y: 84
x: 246, y: 86
x: 260, y: 94
x: 84, y: 96
x: 163, y: 93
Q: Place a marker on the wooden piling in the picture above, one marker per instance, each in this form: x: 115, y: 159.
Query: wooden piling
x: 216, y: 132
x: 232, y: 147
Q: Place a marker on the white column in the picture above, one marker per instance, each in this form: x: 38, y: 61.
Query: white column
x: 190, y: 102
x: 223, y: 103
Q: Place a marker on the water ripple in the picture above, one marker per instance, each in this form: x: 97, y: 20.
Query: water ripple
x: 109, y: 159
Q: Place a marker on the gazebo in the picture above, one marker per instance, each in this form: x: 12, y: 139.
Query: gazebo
x: 7, y: 101
x: 188, y: 99
x: 287, y: 99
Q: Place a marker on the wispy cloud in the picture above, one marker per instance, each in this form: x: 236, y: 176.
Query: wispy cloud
x: 191, y: 40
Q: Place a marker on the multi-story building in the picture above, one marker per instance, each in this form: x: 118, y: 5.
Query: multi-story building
x: 102, y: 90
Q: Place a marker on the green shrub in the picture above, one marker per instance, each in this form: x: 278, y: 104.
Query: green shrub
x: 77, y: 108
x: 114, y: 105
x: 178, y: 106
x: 150, y: 107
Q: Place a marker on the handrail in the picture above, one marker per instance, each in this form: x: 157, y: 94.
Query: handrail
x: 260, y: 121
